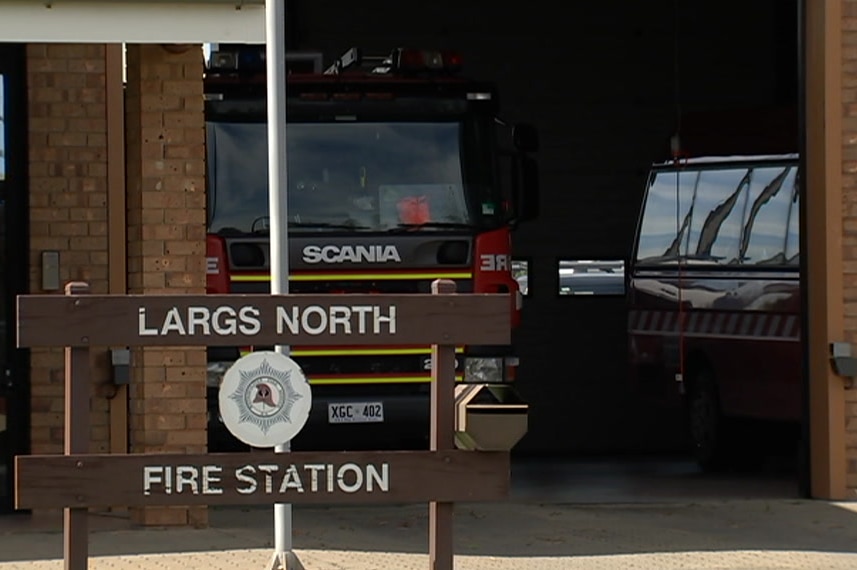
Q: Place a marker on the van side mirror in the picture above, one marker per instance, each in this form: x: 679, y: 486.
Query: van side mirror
x: 527, y: 189
x: 525, y: 137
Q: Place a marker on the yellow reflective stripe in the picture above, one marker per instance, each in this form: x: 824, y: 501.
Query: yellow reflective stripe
x: 248, y: 278
x: 364, y: 352
x: 381, y: 276
x: 370, y: 380
x: 358, y: 351
x: 355, y: 277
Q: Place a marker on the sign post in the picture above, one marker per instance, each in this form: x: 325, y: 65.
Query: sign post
x: 77, y: 372
x: 441, y: 476
x: 442, y: 438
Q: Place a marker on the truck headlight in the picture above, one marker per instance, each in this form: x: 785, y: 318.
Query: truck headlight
x: 484, y: 370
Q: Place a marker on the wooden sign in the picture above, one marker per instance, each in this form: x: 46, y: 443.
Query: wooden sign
x: 262, y: 320
x: 76, y: 481
x: 373, y: 477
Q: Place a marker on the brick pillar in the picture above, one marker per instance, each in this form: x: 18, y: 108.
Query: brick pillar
x: 166, y: 249
x: 830, y: 255
x: 68, y: 214
x: 849, y: 237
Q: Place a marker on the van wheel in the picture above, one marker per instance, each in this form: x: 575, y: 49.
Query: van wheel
x: 708, y: 430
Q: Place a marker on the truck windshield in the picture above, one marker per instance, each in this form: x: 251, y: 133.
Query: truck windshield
x: 362, y: 176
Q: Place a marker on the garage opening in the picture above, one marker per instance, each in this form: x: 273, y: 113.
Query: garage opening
x: 608, y: 85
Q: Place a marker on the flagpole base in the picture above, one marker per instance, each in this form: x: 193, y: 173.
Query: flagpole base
x: 285, y: 561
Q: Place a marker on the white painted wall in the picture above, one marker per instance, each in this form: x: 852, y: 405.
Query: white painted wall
x: 132, y: 21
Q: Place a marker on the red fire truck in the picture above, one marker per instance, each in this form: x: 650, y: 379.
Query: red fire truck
x: 399, y: 173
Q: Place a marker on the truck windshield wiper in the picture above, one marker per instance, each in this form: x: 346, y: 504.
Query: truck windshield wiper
x: 442, y: 225
x: 325, y: 225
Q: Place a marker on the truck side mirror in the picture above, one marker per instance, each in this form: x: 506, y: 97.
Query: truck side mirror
x: 525, y: 137
x: 527, y: 191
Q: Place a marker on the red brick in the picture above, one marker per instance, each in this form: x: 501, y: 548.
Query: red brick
x: 186, y: 437
x: 73, y: 139
x: 154, y: 282
x: 164, y: 422
x: 185, y: 248
x: 68, y: 229
x: 167, y: 382
x: 163, y: 232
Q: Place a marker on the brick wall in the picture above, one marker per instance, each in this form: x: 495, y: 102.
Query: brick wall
x: 68, y: 213
x: 849, y: 223
x: 166, y: 249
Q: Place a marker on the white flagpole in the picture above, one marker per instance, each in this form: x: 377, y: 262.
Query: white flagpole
x: 275, y: 46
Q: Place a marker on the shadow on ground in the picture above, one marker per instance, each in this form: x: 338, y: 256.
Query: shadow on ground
x: 557, y: 508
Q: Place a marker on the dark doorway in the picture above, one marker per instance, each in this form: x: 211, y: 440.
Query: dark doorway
x: 14, y: 409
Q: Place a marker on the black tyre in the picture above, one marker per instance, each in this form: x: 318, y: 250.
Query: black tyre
x: 709, y: 434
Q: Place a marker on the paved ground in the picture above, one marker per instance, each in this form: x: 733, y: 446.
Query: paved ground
x: 601, y: 515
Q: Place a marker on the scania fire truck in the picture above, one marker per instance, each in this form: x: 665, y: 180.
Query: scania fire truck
x: 399, y: 173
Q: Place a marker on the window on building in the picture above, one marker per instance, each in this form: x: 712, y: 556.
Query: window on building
x: 521, y: 273
x: 591, y: 277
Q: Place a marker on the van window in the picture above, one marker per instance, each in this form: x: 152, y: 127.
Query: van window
x: 591, y: 277
x: 663, y: 230
x: 726, y: 216
x: 718, y: 210
x: 766, y: 222
x: 793, y: 237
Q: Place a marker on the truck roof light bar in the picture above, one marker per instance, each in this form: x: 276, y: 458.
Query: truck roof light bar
x: 421, y: 60
x: 250, y: 59
x: 354, y: 58
x: 223, y: 61
x: 401, y: 60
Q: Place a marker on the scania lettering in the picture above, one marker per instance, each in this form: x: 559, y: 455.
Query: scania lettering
x: 399, y: 172
x: 349, y: 254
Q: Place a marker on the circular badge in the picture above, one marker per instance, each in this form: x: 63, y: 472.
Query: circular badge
x: 264, y: 399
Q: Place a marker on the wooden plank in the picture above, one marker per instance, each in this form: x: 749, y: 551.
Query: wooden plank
x: 75, y: 523
x: 117, y: 253
x: 370, y: 477
x: 229, y: 320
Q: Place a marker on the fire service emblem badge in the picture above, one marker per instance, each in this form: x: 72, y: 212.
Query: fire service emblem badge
x: 264, y: 399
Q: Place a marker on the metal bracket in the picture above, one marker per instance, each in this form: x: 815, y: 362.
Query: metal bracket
x: 844, y: 363
x: 120, y: 358
x: 285, y: 561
